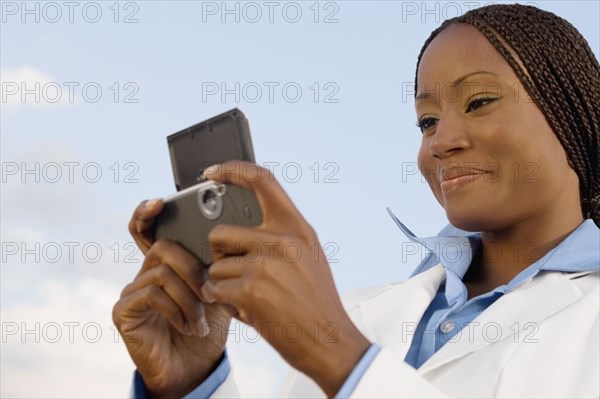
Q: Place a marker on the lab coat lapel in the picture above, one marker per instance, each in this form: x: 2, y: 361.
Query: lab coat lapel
x: 392, y: 315
x: 515, y: 316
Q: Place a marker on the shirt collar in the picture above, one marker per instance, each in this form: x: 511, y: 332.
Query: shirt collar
x: 455, y: 249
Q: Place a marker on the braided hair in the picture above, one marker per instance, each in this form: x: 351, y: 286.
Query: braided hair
x: 561, y: 75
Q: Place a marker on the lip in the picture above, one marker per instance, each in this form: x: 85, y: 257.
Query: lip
x: 455, y: 178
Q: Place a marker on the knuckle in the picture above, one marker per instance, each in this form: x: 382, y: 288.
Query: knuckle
x: 262, y: 268
x: 136, y: 213
x: 248, y: 288
x: 150, y: 293
x: 162, y: 273
x: 214, y: 270
x: 243, y: 314
x: 306, y: 232
x: 256, y: 272
x: 310, y: 231
x: 161, y: 245
x: 125, y: 291
x: 131, y: 227
x: 117, y: 311
x: 264, y: 172
x: 286, y: 240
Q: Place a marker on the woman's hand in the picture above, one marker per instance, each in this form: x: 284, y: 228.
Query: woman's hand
x: 173, y: 338
x: 277, y: 277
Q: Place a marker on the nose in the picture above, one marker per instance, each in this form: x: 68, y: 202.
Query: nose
x: 450, y: 137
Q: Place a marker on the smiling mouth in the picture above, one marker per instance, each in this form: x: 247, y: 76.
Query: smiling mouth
x: 452, y: 179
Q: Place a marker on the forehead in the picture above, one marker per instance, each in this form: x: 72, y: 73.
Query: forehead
x: 458, y: 50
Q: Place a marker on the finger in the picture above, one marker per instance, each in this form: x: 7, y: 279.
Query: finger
x: 227, y: 268
x: 138, y: 304
x: 166, y: 279
x: 187, y: 266
x: 224, y: 291
x: 194, y: 284
x: 271, y: 196
x: 227, y: 240
x: 141, y: 225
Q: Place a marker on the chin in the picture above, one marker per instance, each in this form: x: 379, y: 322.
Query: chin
x: 474, y: 220
x: 467, y: 224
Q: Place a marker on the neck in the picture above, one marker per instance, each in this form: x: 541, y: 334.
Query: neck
x: 505, y: 253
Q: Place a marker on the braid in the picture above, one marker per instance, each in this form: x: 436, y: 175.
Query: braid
x: 561, y: 75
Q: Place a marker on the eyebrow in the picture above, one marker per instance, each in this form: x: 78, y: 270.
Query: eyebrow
x: 429, y: 94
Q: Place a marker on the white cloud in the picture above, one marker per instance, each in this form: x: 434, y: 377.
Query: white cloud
x: 65, y: 346
x: 28, y: 86
x: 23, y: 233
x: 47, y: 175
x: 68, y: 346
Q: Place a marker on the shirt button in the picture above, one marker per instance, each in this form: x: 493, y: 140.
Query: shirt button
x: 447, y: 326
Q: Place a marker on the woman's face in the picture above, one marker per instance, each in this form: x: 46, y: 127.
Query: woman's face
x: 488, y: 153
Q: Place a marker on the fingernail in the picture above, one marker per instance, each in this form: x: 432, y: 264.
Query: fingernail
x: 187, y: 329
x: 202, y: 323
x: 202, y: 328
x: 151, y: 203
x: 210, y: 170
x: 206, y: 292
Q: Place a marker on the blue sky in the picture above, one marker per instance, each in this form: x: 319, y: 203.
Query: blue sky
x: 326, y: 88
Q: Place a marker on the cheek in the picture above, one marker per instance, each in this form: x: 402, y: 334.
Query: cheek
x: 424, y: 161
x: 525, y: 145
x: 427, y: 167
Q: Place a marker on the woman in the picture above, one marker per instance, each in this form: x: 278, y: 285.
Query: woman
x: 508, y: 100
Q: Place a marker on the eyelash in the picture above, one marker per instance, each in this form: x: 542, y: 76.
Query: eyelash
x: 424, y: 122
x: 481, y: 100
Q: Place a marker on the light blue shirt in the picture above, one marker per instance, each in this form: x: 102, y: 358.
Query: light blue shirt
x: 449, y: 312
x: 203, y: 390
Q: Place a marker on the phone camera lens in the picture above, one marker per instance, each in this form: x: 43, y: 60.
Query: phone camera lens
x: 211, y: 204
x: 209, y: 199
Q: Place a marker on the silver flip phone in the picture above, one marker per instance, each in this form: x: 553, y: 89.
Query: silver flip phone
x: 190, y: 214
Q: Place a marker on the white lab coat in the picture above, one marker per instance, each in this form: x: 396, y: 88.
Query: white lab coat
x: 541, y: 339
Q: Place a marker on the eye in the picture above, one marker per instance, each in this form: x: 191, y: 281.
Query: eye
x: 426, y: 123
x: 479, y: 102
